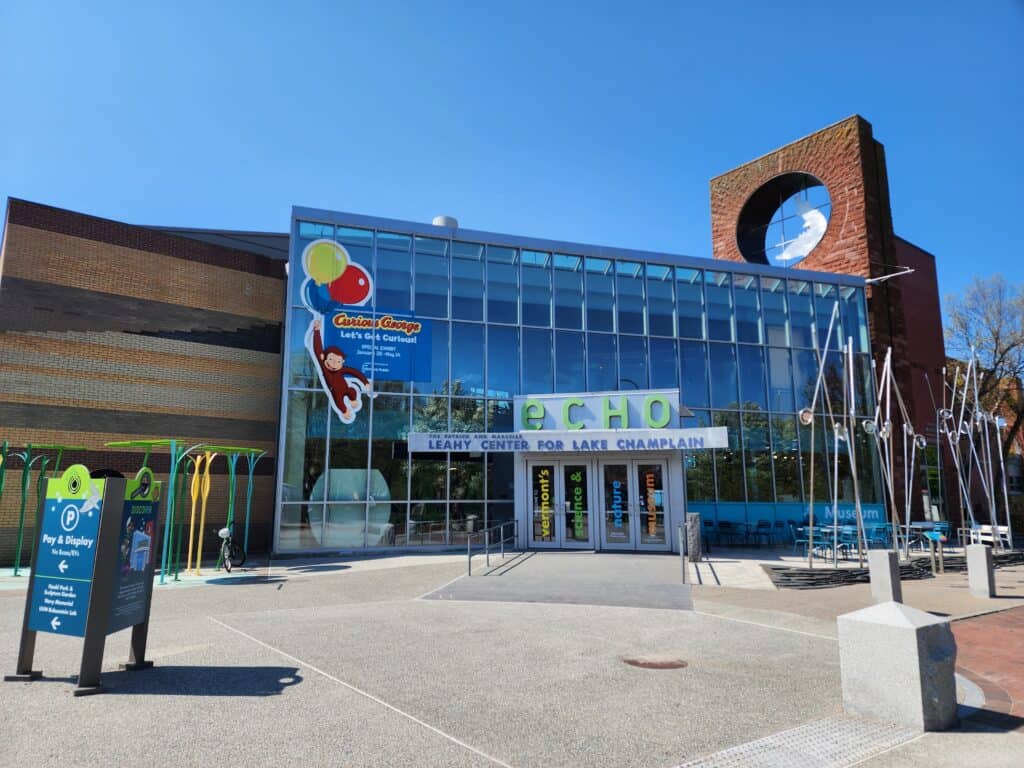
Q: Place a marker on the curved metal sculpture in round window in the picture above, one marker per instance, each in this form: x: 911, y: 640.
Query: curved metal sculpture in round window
x: 784, y: 220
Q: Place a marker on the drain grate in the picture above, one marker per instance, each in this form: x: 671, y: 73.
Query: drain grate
x: 832, y: 742
x: 656, y: 662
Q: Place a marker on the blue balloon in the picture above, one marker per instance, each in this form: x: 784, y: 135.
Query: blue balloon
x: 317, y: 297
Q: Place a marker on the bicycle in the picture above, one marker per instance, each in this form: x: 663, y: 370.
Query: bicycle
x: 231, y: 552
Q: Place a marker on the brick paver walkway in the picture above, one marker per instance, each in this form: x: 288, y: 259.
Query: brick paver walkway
x: 990, y: 652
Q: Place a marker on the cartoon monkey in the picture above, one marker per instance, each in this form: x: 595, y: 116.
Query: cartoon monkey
x: 335, y: 373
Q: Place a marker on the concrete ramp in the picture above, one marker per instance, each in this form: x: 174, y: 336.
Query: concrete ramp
x: 577, y: 578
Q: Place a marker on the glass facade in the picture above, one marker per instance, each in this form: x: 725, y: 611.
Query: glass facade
x: 507, y: 316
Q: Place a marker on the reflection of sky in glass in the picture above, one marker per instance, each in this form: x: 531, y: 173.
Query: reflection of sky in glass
x: 797, y: 225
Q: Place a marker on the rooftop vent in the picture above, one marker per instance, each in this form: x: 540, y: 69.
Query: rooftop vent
x: 446, y: 221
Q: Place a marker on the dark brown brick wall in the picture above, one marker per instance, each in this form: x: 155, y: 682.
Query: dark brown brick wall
x: 903, y: 312
x: 117, y: 332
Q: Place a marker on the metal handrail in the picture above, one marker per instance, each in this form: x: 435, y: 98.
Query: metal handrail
x: 487, y: 542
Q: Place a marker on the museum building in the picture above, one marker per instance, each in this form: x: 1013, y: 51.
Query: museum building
x: 415, y: 383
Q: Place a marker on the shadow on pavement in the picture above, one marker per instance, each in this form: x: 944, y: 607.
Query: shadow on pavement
x: 242, y: 580
x: 989, y: 720
x: 202, y: 681
x: 313, y: 568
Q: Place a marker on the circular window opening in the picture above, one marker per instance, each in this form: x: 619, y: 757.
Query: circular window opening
x: 784, y: 220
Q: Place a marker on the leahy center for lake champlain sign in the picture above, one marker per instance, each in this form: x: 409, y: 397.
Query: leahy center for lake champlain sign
x: 642, y: 420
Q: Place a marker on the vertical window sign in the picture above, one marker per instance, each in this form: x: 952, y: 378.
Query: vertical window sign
x: 351, y: 347
x: 576, y: 493
x: 542, y: 502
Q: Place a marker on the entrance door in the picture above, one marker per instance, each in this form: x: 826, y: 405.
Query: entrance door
x: 560, y: 511
x: 634, y: 494
x: 652, y: 495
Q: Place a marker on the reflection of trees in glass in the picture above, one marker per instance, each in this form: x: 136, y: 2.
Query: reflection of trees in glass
x: 786, y: 454
x: 729, y: 461
x: 700, y: 476
x: 757, y: 458
x: 466, y: 477
x: 429, y: 476
x: 468, y: 414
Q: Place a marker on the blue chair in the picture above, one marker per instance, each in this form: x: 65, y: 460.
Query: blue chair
x: 729, y: 532
x: 877, y: 535
x: 799, y: 536
x: 779, y: 534
x: 762, y: 532
x: 709, y: 531
x: 848, y: 539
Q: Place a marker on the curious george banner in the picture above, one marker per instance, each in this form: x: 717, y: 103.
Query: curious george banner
x: 351, y: 347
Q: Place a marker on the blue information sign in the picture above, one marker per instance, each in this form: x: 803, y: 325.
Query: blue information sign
x: 133, y: 580
x: 66, y: 554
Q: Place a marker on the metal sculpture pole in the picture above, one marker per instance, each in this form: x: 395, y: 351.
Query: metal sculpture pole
x: 253, y: 458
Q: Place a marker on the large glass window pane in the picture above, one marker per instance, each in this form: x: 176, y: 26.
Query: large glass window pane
x: 700, y: 465
x: 664, y: 363
x: 786, y: 453
x: 729, y: 461
x: 748, y: 309
x: 391, y: 417
x: 632, y: 362
x: 538, y: 372
x: 801, y: 313
x: 690, y: 302
x: 308, y: 231
x: 822, y: 464
x: 468, y: 360
x: 780, y: 383
x: 718, y: 290
x: 570, y: 362
x: 502, y: 284
x: 305, y: 447
x: 805, y: 376
x: 430, y: 414
x: 568, y: 291
x: 502, y: 361
x: 386, y: 524
x: 752, y: 378
x: 500, y: 476
x: 776, y: 325
x: 722, y: 362
x: 661, y: 309
x: 359, y: 244
x: 468, y: 414
x: 499, y: 416
x: 467, y: 281
x: 347, y: 459
x: 464, y: 518
x: 301, y: 526
x: 389, y: 471
x: 630, y: 286
x: 855, y: 322
x: 757, y: 457
x: 536, y: 288
x: 825, y: 298
x: 432, y: 281
x: 693, y: 364
x: 394, y: 266
x: 434, y: 379
x: 427, y: 523
x: 429, y: 476
x: 466, y: 477
x: 300, y: 365
x: 600, y: 295
x: 602, y: 373
x: 345, y: 526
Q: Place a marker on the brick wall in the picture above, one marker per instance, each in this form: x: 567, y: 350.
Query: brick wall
x: 113, y: 332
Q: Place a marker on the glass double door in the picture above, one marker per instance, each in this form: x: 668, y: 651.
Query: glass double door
x: 560, y: 504
x: 634, y: 494
x: 598, y: 503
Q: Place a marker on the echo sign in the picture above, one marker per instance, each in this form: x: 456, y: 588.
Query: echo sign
x: 637, y: 409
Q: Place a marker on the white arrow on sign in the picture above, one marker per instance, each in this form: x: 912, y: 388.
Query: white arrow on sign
x: 54, y: 623
x: 62, y: 566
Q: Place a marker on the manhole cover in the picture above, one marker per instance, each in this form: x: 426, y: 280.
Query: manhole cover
x: 654, y: 662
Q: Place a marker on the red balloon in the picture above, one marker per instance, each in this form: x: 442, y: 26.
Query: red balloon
x: 352, y: 286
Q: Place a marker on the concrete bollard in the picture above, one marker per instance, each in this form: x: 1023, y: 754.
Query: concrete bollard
x: 981, y: 576
x: 884, y: 570
x: 693, y: 538
x: 897, y: 664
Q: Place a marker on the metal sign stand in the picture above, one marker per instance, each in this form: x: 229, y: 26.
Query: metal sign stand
x: 105, y: 574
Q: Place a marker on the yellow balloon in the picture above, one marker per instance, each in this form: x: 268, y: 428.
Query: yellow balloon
x: 324, y: 260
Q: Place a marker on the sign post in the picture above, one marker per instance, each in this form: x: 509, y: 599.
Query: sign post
x: 92, y: 569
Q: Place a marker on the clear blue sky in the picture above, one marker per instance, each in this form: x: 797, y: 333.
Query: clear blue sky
x: 581, y: 121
